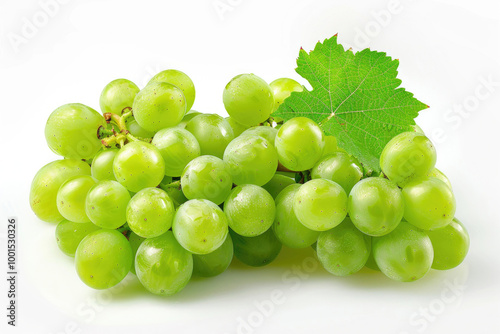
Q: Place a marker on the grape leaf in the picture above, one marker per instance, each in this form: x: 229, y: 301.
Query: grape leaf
x: 355, y: 97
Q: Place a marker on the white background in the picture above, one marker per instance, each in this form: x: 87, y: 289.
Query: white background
x: 448, y: 49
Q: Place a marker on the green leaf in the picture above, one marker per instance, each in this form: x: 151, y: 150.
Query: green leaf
x: 355, y: 97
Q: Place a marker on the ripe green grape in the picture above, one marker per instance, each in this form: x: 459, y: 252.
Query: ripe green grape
x: 118, y: 95
x: 102, y: 165
x: 70, y: 234
x: 375, y: 206
x: 251, y: 159
x: 330, y: 146
x: 206, y: 177
x: 139, y: 165
x: 71, y: 198
x: 106, y: 204
x: 287, y: 228
x: 179, y: 79
x: 136, y: 130
x: 299, y: 143
x: 340, y: 168
x: 440, y: 175
x: 250, y: 210
x: 277, y: 184
x: 215, y: 263
x: 405, y: 254
x: 103, y: 259
x: 200, y: 226
x: 282, y: 88
x: 46, y: 183
x: 71, y: 131
x: 150, y: 213
x: 189, y: 116
x: 265, y: 132
x: 320, y: 204
x: 256, y: 251
x: 407, y: 156
x: 429, y: 203
x: 135, y: 242
x: 343, y: 250
x: 238, y: 128
x: 212, y: 132
x: 159, y: 105
x: 248, y: 99
x: 450, y: 244
x: 162, y: 265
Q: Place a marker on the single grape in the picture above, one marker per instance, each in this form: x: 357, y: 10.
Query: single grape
x: 174, y: 191
x: 282, y: 88
x: 248, y: 99
x: 429, y: 203
x: 450, y: 244
x: 407, y: 156
x: 179, y: 79
x: 106, y: 204
x: 340, y: 168
x: 287, y: 228
x: 238, y: 128
x: 215, y: 263
x: 162, y: 265
x: 206, y: 177
x: 139, y: 165
x: 103, y: 259
x: 212, y: 132
x: 200, y: 226
x: 71, y: 198
x: 70, y: 234
x: 46, y: 183
x: 251, y: 159
x: 320, y: 204
x: 375, y: 206
x: 405, y: 254
x: 135, y: 242
x: 71, y: 131
x: 118, y: 95
x: 330, y: 146
x: 440, y: 175
x: 343, y: 250
x: 299, y: 143
x: 250, y: 210
x: 189, y: 116
x: 150, y: 213
x: 102, y: 165
x: 265, y: 132
x: 159, y: 105
x: 137, y: 131
x: 277, y: 184
x: 256, y: 251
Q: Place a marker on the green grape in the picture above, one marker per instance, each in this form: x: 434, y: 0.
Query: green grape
x: 299, y: 143
x: 212, y: 132
x: 189, y: 116
x: 150, y: 212
x: 251, y: 159
x: 71, y: 198
x: 277, y: 184
x: 206, y: 177
x: 417, y: 129
x: 256, y: 251
x: 174, y: 192
x: 439, y: 175
x: 320, y: 204
x: 103, y: 259
x: 450, y: 244
x: 159, y: 105
x: 179, y: 79
x: 118, y: 95
x: 429, y: 203
x: 287, y: 228
x: 139, y: 165
x: 71, y: 131
x: 370, y: 263
x: 70, y: 234
x: 137, y: 131
x: 375, y: 206
x: 135, y: 242
x: 102, y: 165
x: 407, y: 156
x: 250, y: 210
x: 265, y: 132
x: 46, y: 183
x: 238, y: 128
x: 200, y: 226
x: 405, y: 254
x: 215, y: 263
x: 177, y: 147
x: 248, y: 99
x: 339, y: 167
x: 343, y: 250
x: 282, y: 88
x: 162, y: 265
x: 106, y: 204
x: 330, y: 146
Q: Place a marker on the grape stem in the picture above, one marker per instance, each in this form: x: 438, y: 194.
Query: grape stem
x: 175, y: 184
x: 111, y: 137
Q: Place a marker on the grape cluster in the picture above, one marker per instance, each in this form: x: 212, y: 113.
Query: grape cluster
x: 153, y: 187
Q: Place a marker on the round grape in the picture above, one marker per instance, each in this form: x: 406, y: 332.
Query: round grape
x: 106, y: 204
x: 118, y: 95
x: 71, y: 198
x: 212, y: 132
